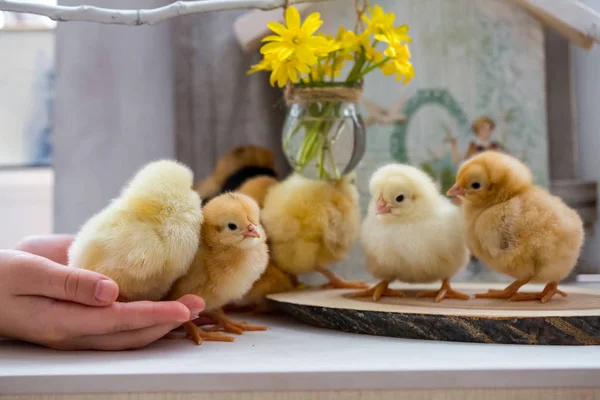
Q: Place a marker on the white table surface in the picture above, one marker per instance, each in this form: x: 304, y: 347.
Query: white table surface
x: 293, y: 356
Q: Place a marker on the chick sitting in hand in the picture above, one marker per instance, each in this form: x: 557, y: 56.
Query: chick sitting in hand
x: 516, y: 228
x: 411, y: 233
x: 312, y: 224
x: 145, y: 239
x: 232, y: 255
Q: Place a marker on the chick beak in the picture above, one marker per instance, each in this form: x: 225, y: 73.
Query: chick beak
x: 251, y: 232
x: 382, y: 207
x: 456, y: 190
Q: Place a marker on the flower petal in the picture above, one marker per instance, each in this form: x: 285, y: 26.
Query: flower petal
x: 291, y: 71
x: 277, y: 28
x: 272, y: 38
x: 271, y: 48
x: 292, y: 18
x: 282, y: 76
x: 305, y: 55
x: 312, y: 24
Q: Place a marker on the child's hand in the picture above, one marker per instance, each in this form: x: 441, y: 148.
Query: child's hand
x: 50, y: 304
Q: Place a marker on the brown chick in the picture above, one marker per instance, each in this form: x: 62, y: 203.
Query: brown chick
x: 516, y: 228
x: 312, y: 224
x: 274, y: 279
x: 235, y: 162
x: 232, y: 255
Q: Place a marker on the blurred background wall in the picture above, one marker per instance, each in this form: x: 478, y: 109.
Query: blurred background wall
x: 114, y: 109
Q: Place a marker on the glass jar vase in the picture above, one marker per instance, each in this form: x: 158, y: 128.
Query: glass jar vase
x: 324, y: 134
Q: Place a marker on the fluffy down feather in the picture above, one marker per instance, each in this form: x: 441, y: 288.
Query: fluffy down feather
x: 312, y: 224
x: 145, y: 239
x: 232, y: 255
x: 410, y: 232
x: 515, y: 227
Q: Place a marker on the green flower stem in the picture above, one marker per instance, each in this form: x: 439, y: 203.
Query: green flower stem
x: 316, y: 140
x: 357, y: 67
x: 375, y: 66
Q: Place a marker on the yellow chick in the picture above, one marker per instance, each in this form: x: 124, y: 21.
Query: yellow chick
x: 145, y: 239
x: 232, y: 255
x: 409, y: 233
x: 516, y: 228
x: 312, y: 224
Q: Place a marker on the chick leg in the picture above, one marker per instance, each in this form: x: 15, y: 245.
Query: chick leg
x: 337, y: 282
x: 507, y: 293
x: 379, y: 290
x: 198, y: 336
x: 228, y: 325
x: 544, y: 296
x: 445, y: 292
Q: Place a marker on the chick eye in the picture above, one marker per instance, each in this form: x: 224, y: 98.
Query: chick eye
x: 475, y: 185
x: 400, y: 198
x: 233, y: 227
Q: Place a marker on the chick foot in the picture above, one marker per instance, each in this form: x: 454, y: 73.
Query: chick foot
x: 445, y: 292
x: 198, y: 336
x: 507, y: 293
x: 228, y: 325
x: 337, y: 282
x: 544, y: 296
x: 379, y: 290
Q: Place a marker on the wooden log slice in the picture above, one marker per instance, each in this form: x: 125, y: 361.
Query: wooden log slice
x: 574, y: 320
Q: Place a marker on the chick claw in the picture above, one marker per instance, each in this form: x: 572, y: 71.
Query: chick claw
x: 544, y: 296
x: 445, y: 292
x: 506, y: 293
x: 198, y: 336
x: 379, y: 290
x: 228, y: 325
x: 337, y: 282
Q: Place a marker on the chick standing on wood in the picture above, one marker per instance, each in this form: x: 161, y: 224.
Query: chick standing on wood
x: 312, y: 224
x: 274, y: 279
x: 516, y: 228
x: 410, y: 233
x: 232, y: 255
x: 145, y: 239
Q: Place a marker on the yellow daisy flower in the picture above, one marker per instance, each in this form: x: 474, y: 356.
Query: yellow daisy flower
x: 378, y: 22
x: 351, y: 42
x: 288, y: 70
x: 295, y: 39
x: 399, y: 62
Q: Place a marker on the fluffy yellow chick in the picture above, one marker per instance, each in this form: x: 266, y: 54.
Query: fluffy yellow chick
x: 145, y: 239
x: 409, y: 233
x: 312, y: 224
x: 516, y: 228
x: 232, y: 255
x: 274, y: 279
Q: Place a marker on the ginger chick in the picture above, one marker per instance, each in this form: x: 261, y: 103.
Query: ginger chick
x: 274, y: 279
x: 232, y: 255
x: 312, y: 224
x: 516, y: 228
x: 145, y: 239
x: 410, y: 235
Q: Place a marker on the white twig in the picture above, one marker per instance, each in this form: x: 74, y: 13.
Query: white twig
x: 142, y: 16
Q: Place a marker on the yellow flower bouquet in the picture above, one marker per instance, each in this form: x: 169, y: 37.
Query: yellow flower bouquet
x: 310, y: 65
